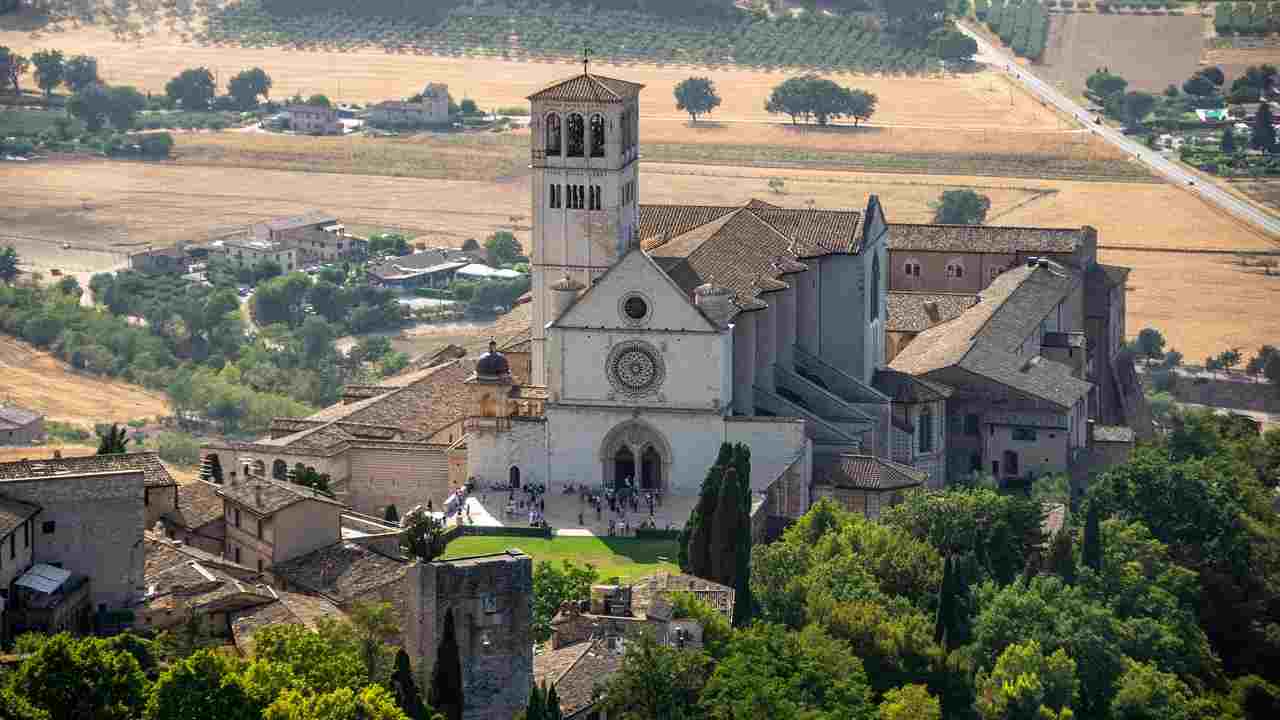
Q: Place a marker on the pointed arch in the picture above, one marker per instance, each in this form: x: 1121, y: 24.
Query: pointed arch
x: 597, y: 135
x: 634, y: 444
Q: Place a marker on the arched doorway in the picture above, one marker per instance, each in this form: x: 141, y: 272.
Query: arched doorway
x: 513, y: 477
x: 280, y: 470
x: 624, y: 467
x: 650, y: 469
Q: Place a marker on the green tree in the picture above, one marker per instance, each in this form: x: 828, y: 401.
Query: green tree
x: 12, y: 67
x: 502, y: 248
x: 771, y: 672
x: 1135, y: 106
x: 193, y: 88
x: 1146, y: 693
x: 716, y: 630
x: 113, y: 440
x: 960, y: 207
x: 446, y: 676
x: 910, y: 702
x: 391, y: 515
x: 947, y: 606
x: 200, y: 686
x: 371, y: 703
x: 1091, y: 551
x: 1027, y: 684
x: 790, y: 97
x: 50, y: 70
x: 954, y: 46
x: 308, y: 476
x: 553, y: 587
x: 468, y: 107
x: 697, y: 536
x: 80, y: 72
x: 696, y: 96
x: 1263, y: 136
x: 424, y: 536
x: 90, y: 677
x: 1061, y: 561
x: 405, y: 688
x: 92, y: 105
x: 1228, y: 144
x: 320, y: 100
x: 1150, y: 343
x: 70, y: 287
x: 657, y: 681
x: 124, y: 104
x: 247, y: 85
x: 8, y: 264
x: 1102, y: 85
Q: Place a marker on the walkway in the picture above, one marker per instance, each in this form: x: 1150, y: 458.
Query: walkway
x: 1170, y: 170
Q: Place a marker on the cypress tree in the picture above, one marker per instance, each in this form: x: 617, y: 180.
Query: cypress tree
x: 946, y: 604
x: 537, y: 705
x: 553, y: 705
x: 743, y: 605
x: 724, y: 530
x: 1228, y: 141
x: 446, y: 677
x: 1061, y: 561
x: 406, y: 688
x: 694, y: 552
x: 1264, y: 135
x: 1091, y: 553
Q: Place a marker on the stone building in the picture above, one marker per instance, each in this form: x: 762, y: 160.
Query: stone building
x: 268, y: 522
x: 315, y: 237
x: 198, y: 518
x: 314, y: 120
x: 864, y: 484
x: 488, y: 600
x: 20, y: 427
x: 249, y: 251
x: 17, y: 529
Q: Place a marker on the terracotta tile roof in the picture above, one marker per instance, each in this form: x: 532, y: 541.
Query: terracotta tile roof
x: 154, y: 472
x: 658, y: 221
x: 341, y: 572
x: 817, y: 232
x: 984, y: 238
x: 864, y: 472
x: 198, y: 504
x: 579, y: 672
x: 420, y: 404
x: 289, y: 609
x: 904, y: 388
x: 163, y: 553
x: 987, y: 339
x: 269, y: 496
x: 192, y: 584
x: 588, y: 87
x: 917, y: 311
x: 13, y: 513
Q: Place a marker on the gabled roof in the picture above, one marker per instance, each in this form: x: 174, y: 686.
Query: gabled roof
x: 17, y: 416
x: 311, y: 217
x: 904, y: 388
x: 987, y: 339
x: 198, y: 504
x: 578, y: 671
x: 154, y: 472
x: 289, y: 609
x: 864, y: 472
x: 1005, y: 239
x: 917, y: 311
x: 269, y: 496
x: 341, y: 572
x: 419, y: 403
x: 588, y: 87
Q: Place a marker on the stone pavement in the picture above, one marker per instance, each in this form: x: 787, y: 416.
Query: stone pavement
x: 488, y: 507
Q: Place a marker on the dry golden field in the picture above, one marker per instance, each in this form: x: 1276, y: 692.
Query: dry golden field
x: 44, y: 452
x: 976, y: 101
x: 34, y: 379
x: 1203, y: 304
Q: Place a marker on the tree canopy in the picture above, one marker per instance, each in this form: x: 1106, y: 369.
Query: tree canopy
x: 193, y: 88
x: 961, y: 207
x: 812, y: 96
x: 696, y: 96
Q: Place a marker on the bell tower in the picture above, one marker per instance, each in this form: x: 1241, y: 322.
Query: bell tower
x: 585, y: 158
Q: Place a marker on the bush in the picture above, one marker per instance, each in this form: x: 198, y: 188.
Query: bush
x: 178, y: 448
x: 66, y: 432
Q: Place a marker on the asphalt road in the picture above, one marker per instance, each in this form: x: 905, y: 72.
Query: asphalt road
x: 1171, y: 171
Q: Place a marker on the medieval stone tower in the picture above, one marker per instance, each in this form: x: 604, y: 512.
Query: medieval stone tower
x: 585, y: 191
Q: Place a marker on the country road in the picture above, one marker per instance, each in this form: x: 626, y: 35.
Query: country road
x: 1171, y: 171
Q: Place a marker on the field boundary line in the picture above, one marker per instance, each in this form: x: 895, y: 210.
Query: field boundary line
x: 1037, y: 196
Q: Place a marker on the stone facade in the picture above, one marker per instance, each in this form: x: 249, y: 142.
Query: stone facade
x: 491, y: 599
x: 91, y: 524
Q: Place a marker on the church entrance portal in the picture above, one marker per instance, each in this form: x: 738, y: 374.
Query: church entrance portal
x: 624, y: 467
x: 650, y: 470
x: 636, y: 450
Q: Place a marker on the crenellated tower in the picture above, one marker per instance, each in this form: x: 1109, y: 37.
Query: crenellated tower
x: 585, y: 157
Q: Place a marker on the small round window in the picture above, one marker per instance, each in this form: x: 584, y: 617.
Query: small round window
x: 635, y: 307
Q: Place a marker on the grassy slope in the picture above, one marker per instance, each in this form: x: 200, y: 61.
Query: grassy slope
x: 626, y: 558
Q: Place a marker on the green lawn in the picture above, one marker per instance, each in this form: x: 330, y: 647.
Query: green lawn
x: 626, y: 558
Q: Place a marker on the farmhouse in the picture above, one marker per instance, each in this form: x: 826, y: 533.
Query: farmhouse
x: 174, y: 260
x: 432, y: 268
x: 315, y: 236
x: 431, y: 109
x: 314, y: 120
x: 19, y: 426
x: 250, y: 251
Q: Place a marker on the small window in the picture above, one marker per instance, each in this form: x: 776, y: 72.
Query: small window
x: 576, y: 141
x: 1024, y: 434
x: 259, y: 564
x: 955, y: 270
x: 924, y: 431
x: 971, y: 424
x: 237, y: 517
x: 635, y: 307
x: 48, y: 527
x: 13, y: 546
x: 237, y: 555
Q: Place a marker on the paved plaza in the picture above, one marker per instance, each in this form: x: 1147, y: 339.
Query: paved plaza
x: 571, y: 514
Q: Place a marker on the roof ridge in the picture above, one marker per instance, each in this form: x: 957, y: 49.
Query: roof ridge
x: 986, y: 227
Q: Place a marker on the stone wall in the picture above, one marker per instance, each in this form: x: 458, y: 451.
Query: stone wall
x: 491, y: 599
x: 391, y: 476
x: 92, y: 524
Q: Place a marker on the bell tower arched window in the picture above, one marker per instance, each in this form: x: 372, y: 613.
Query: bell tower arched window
x: 597, y: 136
x: 575, y: 141
x: 553, y: 134
x: 875, y: 286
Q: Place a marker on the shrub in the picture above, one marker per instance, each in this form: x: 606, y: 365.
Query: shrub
x: 178, y: 448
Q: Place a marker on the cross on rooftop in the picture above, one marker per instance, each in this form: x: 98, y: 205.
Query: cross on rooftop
x: 586, y: 59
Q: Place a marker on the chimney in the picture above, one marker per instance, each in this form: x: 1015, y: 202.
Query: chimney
x: 716, y: 303
x: 563, y: 292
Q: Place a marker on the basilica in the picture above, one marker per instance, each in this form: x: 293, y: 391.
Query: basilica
x: 658, y: 332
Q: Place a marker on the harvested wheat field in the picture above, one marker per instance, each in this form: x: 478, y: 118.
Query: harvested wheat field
x: 970, y: 101
x: 1150, y: 51
x: 1203, y: 304
x: 36, y: 380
